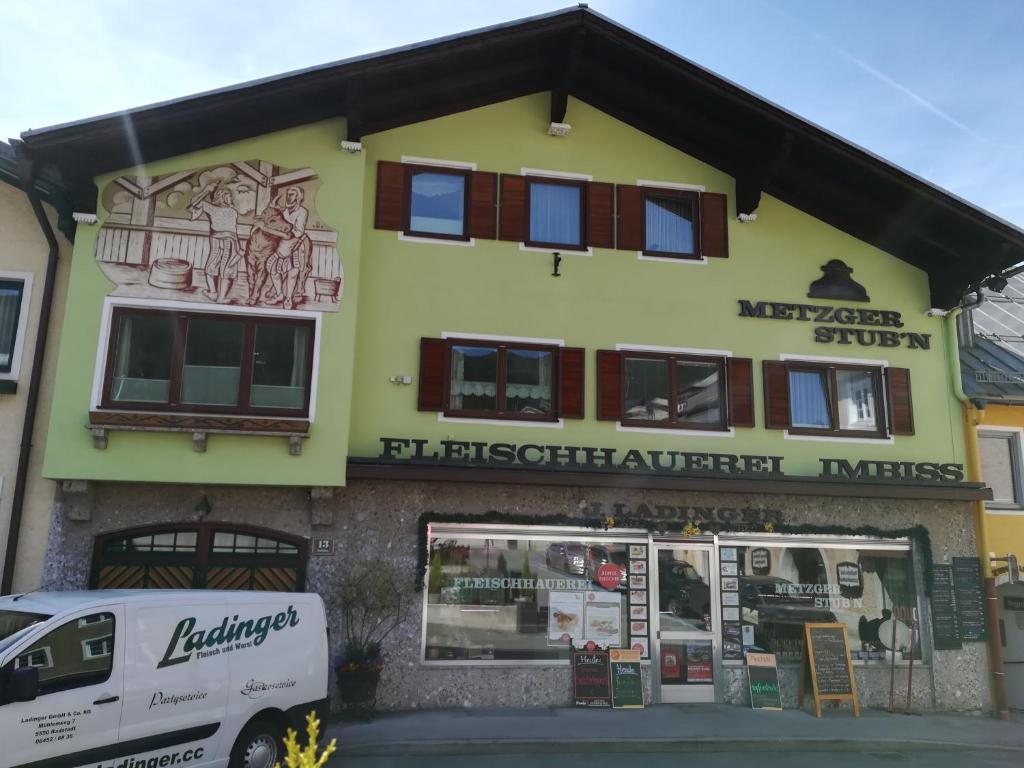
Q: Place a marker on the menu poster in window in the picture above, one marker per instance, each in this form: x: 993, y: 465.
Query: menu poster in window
x: 699, y: 661
x: 641, y: 645
x: 638, y: 566
x: 591, y: 678
x: 727, y: 554
x: 565, y: 618
x: 730, y: 584
x: 826, y: 662
x: 760, y: 561
x: 638, y: 597
x: 603, y: 618
x: 637, y: 552
x: 730, y: 569
x: 732, y: 648
x: 638, y: 612
x: 945, y: 627
x: 970, y: 599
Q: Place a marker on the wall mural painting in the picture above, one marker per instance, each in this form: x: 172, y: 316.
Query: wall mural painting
x: 244, y: 234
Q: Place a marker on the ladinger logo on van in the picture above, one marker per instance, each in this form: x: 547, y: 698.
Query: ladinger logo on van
x: 228, y: 636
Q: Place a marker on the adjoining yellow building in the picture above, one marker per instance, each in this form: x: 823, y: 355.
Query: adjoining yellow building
x: 992, y: 367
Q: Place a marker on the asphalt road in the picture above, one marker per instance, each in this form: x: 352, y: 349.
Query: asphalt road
x: 887, y: 758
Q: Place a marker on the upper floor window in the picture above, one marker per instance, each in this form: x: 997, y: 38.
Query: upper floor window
x: 11, y: 298
x: 675, y: 390
x: 1001, y: 468
x: 183, y: 361
x: 445, y: 202
x: 437, y: 202
x: 671, y: 223
x: 837, y: 399
x: 500, y: 380
x: 555, y: 213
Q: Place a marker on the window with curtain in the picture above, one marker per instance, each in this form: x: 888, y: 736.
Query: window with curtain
x: 674, y: 391
x: 556, y: 213
x: 842, y: 399
x: 10, y: 313
x: 496, y: 380
x: 670, y: 224
x: 176, y: 361
x: 437, y: 203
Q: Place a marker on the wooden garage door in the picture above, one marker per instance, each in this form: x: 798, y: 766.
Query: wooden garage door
x: 199, y: 556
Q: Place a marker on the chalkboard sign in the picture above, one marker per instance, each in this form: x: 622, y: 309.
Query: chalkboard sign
x: 945, y: 626
x: 970, y: 599
x: 591, y: 678
x: 763, y: 677
x: 827, y: 659
x: 627, y: 685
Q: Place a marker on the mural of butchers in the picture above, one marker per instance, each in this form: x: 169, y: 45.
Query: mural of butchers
x: 245, y: 234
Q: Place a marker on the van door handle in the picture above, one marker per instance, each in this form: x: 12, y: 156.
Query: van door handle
x: 108, y: 700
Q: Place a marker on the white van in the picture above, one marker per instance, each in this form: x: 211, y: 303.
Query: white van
x: 157, y: 678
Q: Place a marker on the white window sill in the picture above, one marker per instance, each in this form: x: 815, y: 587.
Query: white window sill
x: 840, y: 439
x: 559, y: 424
x: 436, y: 240
x: 699, y: 262
x: 557, y: 249
x: 730, y: 432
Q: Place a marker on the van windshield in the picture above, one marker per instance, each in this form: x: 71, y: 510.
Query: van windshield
x: 13, y: 624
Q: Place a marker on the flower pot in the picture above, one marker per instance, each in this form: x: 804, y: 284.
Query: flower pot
x: 358, y: 686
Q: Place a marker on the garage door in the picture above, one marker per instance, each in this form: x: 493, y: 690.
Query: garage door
x: 199, y: 556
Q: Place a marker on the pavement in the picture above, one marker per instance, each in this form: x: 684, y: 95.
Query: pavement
x: 664, y: 729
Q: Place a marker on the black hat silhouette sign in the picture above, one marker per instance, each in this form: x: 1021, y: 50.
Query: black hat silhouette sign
x: 836, y: 283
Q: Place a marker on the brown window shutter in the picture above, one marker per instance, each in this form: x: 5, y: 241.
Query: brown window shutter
x: 432, y: 362
x: 483, y: 205
x: 570, y: 382
x: 776, y: 395
x: 630, y: 232
x: 390, y: 196
x: 600, y: 213
x: 899, y: 402
x: 512, y: 213
x: 714, y: 231
x: 609, y: 385
x: 741, y: 391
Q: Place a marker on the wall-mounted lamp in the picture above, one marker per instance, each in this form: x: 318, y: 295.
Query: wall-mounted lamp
x: 401, y: 380
x: 558, y: 262
x: 352, y: 147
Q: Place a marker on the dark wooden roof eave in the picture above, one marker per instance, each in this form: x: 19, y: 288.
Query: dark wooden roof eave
x: 765, y: 147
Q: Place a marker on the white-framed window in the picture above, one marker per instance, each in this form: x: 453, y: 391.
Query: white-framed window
x: 40, y: 658
x: 97, y: 647
x: 15, y: 296
x: 1001, y: 458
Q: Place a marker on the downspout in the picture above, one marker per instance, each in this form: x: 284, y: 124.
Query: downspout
x: 972, y: 418
x: 27, y: 173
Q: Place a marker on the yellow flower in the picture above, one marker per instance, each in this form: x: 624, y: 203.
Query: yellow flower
x: 609, y: 522
x: 691, y: 529
x: 769, y: 527
x: 306, y: 757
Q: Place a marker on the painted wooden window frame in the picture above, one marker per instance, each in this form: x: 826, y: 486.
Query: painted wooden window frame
x: 581, y: 185
x: 1012, y: 438
x: 500, y: 385
x: 181, y: 318
x: 693, y: 197
x: 829, y: 370
x: 673, y: 422
x: 466, y: 174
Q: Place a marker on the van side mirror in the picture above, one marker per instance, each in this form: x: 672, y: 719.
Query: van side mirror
x: 22, y: 684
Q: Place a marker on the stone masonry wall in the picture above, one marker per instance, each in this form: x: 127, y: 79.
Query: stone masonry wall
x: 377, y: 520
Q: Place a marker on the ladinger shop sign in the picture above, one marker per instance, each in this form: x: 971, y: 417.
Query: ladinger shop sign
x: 555, y: 457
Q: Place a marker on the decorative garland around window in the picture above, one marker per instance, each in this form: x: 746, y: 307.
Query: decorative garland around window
x: 917, y: 534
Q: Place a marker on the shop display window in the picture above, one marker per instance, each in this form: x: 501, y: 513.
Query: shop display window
x: 779, y: 588
x: 517, y: 598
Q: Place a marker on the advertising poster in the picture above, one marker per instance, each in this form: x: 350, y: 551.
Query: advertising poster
x: 730, y: 569
x: 672, y: 659
x: 637, y: 551
x: 638, y: 612
x: 603, y: 618
x: 727, y: 554
x: 730, y: 598
x: 638, y: 596
x: 698, y: 663
x: 565, y: 618
x: 638, y: 566
x: 640, y: 644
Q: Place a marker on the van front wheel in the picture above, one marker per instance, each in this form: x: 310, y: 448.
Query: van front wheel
x: 258, y: 746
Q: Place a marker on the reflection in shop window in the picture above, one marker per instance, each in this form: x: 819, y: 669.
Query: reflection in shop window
x: 511, y: 599
x: 871, y: 591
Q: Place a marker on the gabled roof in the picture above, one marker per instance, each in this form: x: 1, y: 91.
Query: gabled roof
x: 580, y: 53
x: 48, y: 189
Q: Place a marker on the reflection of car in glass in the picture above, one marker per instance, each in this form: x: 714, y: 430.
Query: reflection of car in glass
x: 565, y: 557
x: 777, y: 610
x: 682, y: 592
x: 597, y: 555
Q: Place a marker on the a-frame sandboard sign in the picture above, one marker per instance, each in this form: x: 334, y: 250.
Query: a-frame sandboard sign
x: 826, y: 657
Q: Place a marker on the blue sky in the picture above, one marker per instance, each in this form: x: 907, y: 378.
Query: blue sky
x: 931, y: 85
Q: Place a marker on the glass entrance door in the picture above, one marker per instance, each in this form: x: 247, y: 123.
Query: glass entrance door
x: 687, y: 657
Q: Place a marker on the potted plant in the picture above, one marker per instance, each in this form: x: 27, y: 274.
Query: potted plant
x: 372, y: 606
